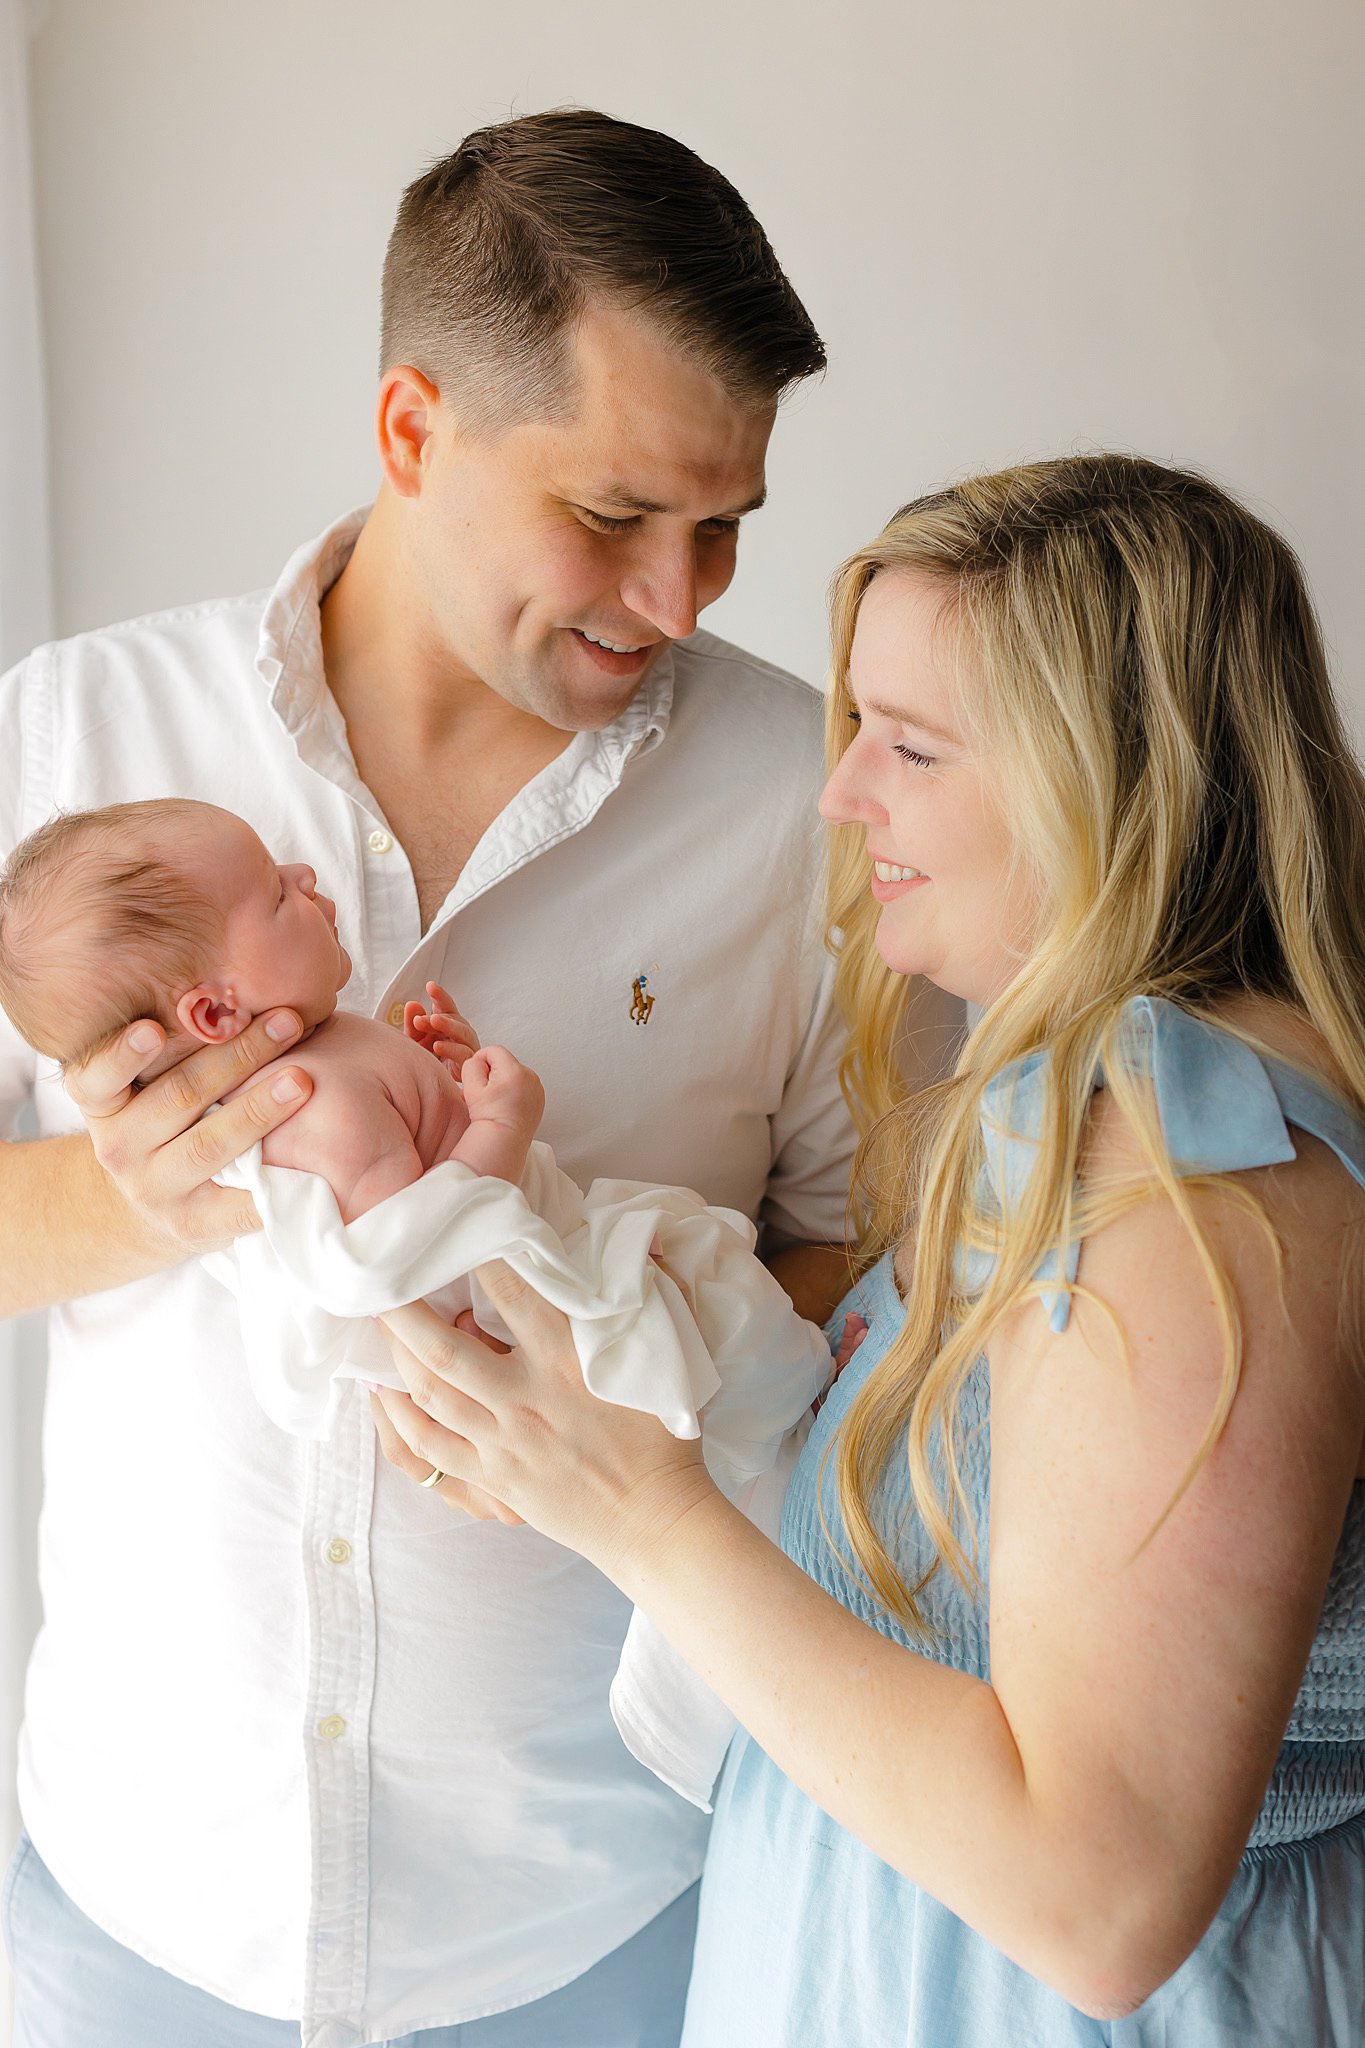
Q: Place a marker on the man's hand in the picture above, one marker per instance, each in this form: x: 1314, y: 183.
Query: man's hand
x: 158, y: 1147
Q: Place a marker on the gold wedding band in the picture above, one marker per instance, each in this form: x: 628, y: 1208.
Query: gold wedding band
x: 433, y: 1478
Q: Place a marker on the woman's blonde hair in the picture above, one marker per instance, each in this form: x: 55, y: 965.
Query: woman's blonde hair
x: 1148, y: 679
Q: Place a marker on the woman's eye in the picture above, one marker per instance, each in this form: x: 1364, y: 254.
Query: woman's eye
x: 906, y: 753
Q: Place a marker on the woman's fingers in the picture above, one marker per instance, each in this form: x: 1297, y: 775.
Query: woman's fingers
x: 533, y: 1322
x: 418, y: 1446
x: 443, y: 1369
x: 465, y: 1321
x: 455, y: 1491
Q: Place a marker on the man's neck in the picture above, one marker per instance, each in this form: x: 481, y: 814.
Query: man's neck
x: 441, y: 752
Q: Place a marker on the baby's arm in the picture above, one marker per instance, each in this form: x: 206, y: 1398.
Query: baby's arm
x: 504, y: 1099
x: 505, y: 1102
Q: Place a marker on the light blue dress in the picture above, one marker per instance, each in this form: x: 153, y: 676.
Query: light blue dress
x: 808, y: 1940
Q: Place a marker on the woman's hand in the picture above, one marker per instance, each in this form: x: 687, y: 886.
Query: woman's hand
x: 519, y: 1436
x: 158, y: 1147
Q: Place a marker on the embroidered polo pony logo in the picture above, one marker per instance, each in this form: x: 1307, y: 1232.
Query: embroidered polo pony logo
x: 641, y: 1002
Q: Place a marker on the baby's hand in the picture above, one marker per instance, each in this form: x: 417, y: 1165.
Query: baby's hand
x: 505, y: 1102
x: 441, y: 1029
x: 854, y: 1331
x: 498, y: 1089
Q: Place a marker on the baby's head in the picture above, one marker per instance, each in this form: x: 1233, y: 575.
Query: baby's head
x: 167, y: 909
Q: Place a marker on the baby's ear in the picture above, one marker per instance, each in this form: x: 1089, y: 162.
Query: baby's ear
x: 211, y: 1015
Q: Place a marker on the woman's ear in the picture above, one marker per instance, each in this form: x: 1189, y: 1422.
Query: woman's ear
x: 212, y: 1015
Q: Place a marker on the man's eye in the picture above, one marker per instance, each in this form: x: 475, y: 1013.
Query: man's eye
x: 720, y: 527
x: 602, y: 524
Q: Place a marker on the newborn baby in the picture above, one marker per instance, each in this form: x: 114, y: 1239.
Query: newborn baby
x: 175, y: 910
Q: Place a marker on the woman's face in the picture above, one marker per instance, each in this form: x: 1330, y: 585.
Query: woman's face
x: 940, y: 857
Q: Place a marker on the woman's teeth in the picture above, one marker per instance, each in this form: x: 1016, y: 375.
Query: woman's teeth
x: 611, y: 645
x: 886, y: 871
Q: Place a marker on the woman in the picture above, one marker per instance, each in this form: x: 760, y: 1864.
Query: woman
x: 1056, y: 1699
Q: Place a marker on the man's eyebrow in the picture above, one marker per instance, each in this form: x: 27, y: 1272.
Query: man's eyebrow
x: 626, y: 501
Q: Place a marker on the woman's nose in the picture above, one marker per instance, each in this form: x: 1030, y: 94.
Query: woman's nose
x: 845, y: 798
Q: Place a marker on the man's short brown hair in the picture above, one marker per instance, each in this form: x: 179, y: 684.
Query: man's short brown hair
x: 497, y: 248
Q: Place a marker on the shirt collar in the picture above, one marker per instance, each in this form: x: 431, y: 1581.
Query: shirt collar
x: 289, y: 652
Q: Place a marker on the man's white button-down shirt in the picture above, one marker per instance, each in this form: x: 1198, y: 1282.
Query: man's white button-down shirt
x: 295, y: 1731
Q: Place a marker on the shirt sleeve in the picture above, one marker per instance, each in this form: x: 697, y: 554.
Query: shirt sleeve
x: 813, y: 1133
x: 812, y: 1136
x: 18, y: 1062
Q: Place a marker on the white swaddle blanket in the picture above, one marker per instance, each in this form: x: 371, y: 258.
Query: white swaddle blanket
x: 671, y: 1313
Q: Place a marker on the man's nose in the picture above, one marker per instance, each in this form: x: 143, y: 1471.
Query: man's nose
x: 662, y: 587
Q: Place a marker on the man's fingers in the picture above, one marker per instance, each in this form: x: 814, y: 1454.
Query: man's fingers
x: 216, y: 1140
x: 218, y: 1069
x: 214, y: 1216
x: 105, y: 1083
x: 176, y: 1099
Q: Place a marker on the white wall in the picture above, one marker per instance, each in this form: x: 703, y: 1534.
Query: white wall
x: 1022, y: 227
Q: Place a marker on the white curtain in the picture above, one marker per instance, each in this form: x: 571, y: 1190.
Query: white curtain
x: 25, y: 619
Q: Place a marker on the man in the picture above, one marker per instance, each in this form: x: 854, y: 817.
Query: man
x: 307, y: 1756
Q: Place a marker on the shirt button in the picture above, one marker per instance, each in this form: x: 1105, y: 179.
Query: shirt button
x: 380, y: 842
x: 338, y: 1551
x: 395, y: 1013
x: 331, y: 1727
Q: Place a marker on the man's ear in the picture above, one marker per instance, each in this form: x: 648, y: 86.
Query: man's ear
x: 212, y: 1015
x: 408, y: 405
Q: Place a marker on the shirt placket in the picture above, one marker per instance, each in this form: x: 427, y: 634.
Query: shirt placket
x: 339, y: 1489
x: 335, y: 1536
x: 341, y: 1624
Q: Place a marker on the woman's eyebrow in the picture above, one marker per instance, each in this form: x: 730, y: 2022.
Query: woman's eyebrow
x: 901, y: 714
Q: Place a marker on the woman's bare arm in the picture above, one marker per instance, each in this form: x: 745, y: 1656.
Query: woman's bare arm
x: 1086, y: 1809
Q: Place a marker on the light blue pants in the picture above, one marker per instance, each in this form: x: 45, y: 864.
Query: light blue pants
x: 75, y: 1988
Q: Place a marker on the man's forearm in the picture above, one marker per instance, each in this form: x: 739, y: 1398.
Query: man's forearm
x: 816, y: 1276
x: 65, y: 1230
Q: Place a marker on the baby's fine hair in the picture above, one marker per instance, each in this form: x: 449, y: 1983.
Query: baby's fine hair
x: 98, y: 926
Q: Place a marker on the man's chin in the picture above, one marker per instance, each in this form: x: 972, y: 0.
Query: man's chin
x: 583, y: 704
